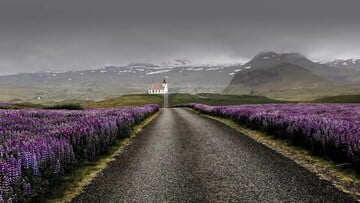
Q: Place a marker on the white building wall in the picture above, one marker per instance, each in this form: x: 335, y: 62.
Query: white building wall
x: 163, y: 91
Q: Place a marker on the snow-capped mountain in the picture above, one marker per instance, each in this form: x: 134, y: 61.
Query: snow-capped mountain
x: 292, y: 75
x: 177, y: 63
x: 348, y: 64
x: 278, y: 75
x: 182, y: 76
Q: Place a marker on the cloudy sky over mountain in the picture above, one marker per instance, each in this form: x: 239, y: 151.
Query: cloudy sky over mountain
x: 77, y: 34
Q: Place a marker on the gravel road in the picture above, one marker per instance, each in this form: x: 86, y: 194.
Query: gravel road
x: 184, y: 157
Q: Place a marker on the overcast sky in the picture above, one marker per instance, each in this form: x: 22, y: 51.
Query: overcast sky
x: 80, y: 34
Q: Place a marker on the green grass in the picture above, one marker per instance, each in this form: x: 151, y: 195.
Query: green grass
x: 219, y: 99
x: 143, y: 99
x: 177, y: 98
x: 68, y: 106
x: 48, y: 105
x: 339, y: 99
x: 180, y: 98
x: 26, y: 105
x: 127, y: 100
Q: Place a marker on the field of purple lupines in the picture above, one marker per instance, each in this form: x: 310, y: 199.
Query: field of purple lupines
x: 328, y: 130
x: 37, y: 146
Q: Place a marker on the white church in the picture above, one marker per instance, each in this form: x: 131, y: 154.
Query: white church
x: 158, y: 88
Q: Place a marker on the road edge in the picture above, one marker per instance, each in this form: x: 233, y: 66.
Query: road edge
x: 325, y: 170
x: 91, y: 172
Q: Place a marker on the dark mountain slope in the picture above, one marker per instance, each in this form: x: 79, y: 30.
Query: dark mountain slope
x: 270, y: 59
x: 285, y: 81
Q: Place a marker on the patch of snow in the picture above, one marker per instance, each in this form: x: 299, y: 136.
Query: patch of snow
x: 345, y: 64
x: 60, y: 72
x: 231, y: 73
x: 158, y: 72
x: 218, y: 68
x: 237, y: 70
x: 195, y: 69
x: 70, y: 79
x: 81, y: 73
x: 140, y: 69
x: 247, y: 67
x: 266, y: 57
x: 103, y: 71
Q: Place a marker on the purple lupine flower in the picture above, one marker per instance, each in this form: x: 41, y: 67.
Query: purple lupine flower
x: 5, y: 185
x: 331, y: 125
x: 30, y: 139
x: 35, y: 166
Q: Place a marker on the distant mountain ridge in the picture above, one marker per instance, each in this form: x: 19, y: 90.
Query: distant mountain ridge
x: 345, y: 64
x: 110, y: 81
x: 277, y: 75
x: 292, y: 75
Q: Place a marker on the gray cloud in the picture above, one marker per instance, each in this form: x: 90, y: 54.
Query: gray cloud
x: 43, y: 34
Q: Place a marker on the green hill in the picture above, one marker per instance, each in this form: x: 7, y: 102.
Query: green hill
x: 339, y: 99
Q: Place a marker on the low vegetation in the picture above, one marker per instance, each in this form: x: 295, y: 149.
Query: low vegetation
x: 327, y: 130
x: 339, y: 99
x: 67, y: 106
x: 342, y: 178
x: 20, y: 105
x: 174, y: 99
x: 219, y: 99
x: 127, y: 100
x: 179, y: 98
x: 74, y: 180
x: 38, y: 146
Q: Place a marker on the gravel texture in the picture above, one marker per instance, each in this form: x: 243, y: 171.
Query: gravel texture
x: 184, y: 157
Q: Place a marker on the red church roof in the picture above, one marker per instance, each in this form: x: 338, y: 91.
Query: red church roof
x: 156, y: 87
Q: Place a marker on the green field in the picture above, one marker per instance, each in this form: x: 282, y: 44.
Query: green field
x: 127, y: 100
x: 177, y: 98
x: 205, y: 98
x: 339, y: 99
x: 218, y: 99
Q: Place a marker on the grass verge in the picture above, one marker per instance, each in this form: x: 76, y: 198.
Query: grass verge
x: 74, y: 181
x: 127, y: 100
x: 219, y: 99
x: 345, y: 180
x: 339, y: 99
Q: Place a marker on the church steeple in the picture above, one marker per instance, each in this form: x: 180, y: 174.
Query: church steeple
x: 164, y: 81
